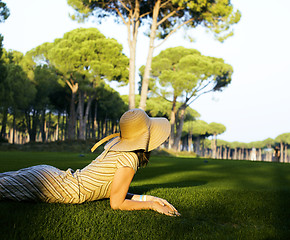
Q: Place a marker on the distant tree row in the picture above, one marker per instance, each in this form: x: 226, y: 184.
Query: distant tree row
x: 57, y: 91
x: 195, y: 138
x: 35, y: 105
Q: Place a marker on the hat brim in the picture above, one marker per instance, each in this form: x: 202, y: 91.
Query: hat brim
x: 159, y: 131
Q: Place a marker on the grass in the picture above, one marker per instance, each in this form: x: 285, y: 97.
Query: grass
x: 218, y: 199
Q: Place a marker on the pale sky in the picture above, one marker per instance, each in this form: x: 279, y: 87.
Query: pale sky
x: 253, y: 107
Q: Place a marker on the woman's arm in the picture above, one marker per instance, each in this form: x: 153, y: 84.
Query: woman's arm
x: 119, y: 193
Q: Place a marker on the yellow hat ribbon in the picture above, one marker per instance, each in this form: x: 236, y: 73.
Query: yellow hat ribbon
x: 104, y: 140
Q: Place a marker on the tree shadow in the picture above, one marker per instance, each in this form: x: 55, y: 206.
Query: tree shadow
x: 171, y: 166
x: 281, y: 216
x: 142, y: 189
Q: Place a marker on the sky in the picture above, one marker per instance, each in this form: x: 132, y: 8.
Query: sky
x: 254, y: 107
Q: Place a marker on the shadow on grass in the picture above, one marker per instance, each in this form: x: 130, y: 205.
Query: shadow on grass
x: 240, y: 195
x: 142, y: 189
x: 281, y: 220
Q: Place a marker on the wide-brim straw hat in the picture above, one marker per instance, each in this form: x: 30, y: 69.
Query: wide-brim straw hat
x: 137, y: 131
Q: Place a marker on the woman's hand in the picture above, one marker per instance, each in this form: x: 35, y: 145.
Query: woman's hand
x: 162, y: 206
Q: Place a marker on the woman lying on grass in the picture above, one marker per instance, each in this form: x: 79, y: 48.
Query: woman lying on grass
x: 108, y: 176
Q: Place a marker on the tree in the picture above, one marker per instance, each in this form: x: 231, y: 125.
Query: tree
x: 223, y: 149
x: 4, y: 14
x: 84, y: 58
x: 108, y: 108
x: 169, y: 16
x: 164, y: 18
x: 258, y: 145
x: 186, y: 74
x: 215, y: 129
x: 196, y: 130
x: 13, y: 81
x: 284, y: 140
x: 3, y: 75
x: 128, y: 12
x: 4, y: 11
x: 156, y: 107
x: 17, y: 91
x: 46, y: 83
x: 43, y: 81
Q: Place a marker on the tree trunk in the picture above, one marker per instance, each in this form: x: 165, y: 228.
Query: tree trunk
x: 225, y: 153
x: 57, y: 127
x: 172, y: 122
x: 247, y: 154
x: 45, y: 131
x: 14, y: 128
x: 189, y: 142
x: 99, y: 129
x: 229, y: 153
x: 179, y: 129
x: 94, y: 123
x: 42, y: 125
x: 179, y: 146
x: 4, y: 123
x: 10, y: 135
x: 81, y: 116
x: 72, y: 119
x: 235, y: 154
x: 198, y: 145
x: 145, y: 81
x: 132, y: 75
x: 203, y: 150
x: 213, y: 146
x: 35, y: 121
x: 56, y: 131
x: 218, y: 152
x: 62, y: 137
x: 286, y: 153
x: 281, y: 152
x: 26, y: 136
x: 240, y: 154
x: 104, y: 127
x: 48, y: 134
x: 72, y: 113
x: 89, y: 104
x: 28, y: 122
x: 88, y: 127
x: 133, y: 24
x: 259, y: 154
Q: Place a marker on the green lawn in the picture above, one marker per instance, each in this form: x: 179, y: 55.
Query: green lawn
x: 218, y: 199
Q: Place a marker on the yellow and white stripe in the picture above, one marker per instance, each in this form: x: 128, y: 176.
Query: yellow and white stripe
x: 49, y: 184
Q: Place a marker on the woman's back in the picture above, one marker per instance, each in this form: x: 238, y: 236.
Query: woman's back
x: 49, y: 184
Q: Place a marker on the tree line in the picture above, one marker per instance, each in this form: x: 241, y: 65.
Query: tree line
x: 84, y: 58
x: 69, y: 78
x: 196, y: 136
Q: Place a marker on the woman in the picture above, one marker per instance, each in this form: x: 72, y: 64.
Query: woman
x: 108, y: 176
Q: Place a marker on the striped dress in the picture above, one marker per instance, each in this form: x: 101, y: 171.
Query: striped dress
x: 49, y: 184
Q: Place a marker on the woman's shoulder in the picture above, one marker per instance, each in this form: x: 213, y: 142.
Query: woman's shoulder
x: 132, y: 155
x: 127, y: 159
